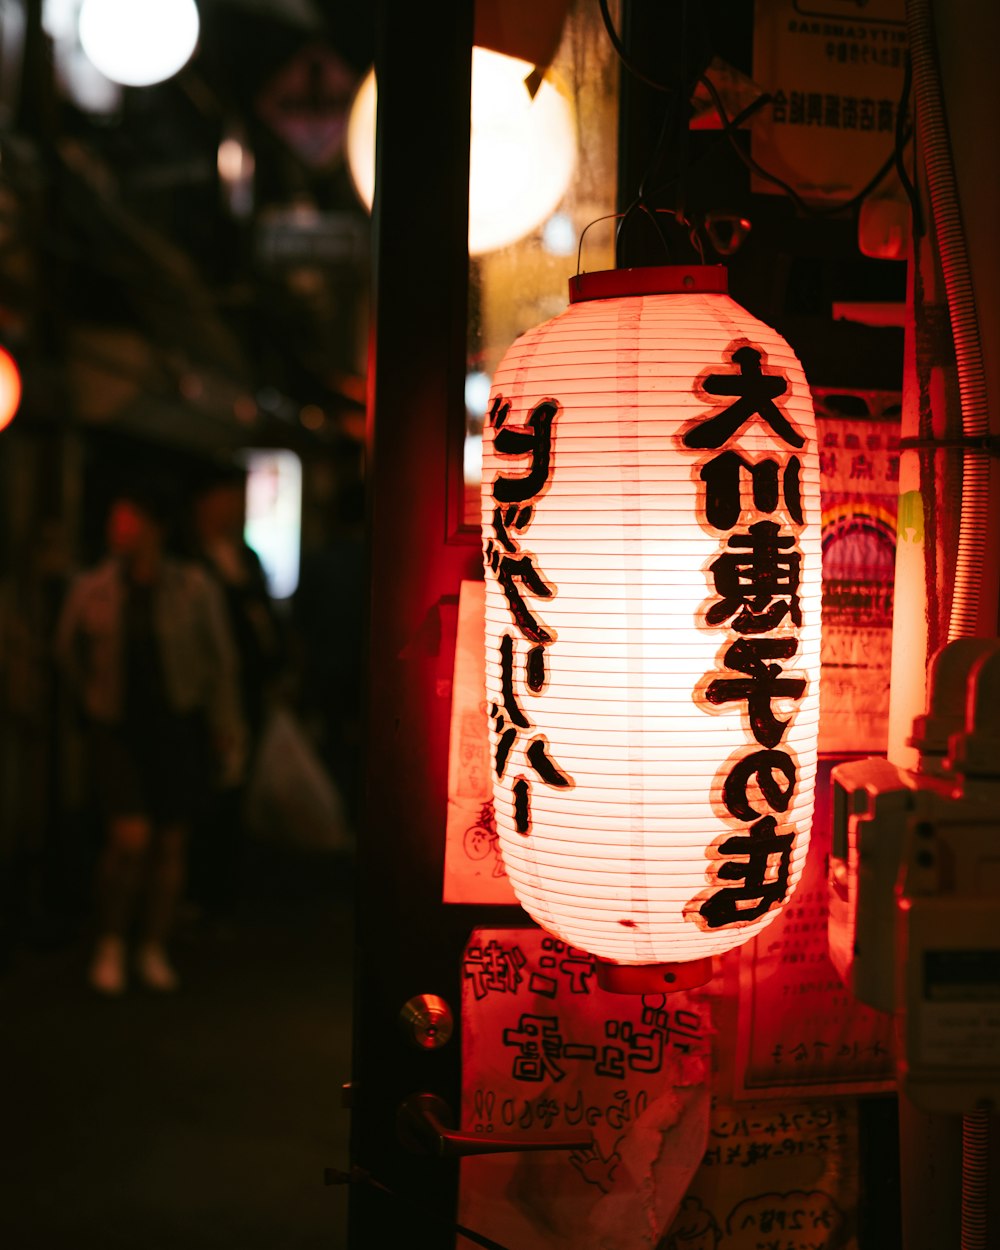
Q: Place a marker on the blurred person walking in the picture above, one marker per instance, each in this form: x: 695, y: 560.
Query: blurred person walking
x: 218, y: 518
x: 144, y: 642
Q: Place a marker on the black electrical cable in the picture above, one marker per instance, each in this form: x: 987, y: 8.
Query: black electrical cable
x: 811, y: 210
x: 901, y: 171
x: 623, y: 56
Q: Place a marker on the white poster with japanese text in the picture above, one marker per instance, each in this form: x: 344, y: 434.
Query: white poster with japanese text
x: 546, y: 1053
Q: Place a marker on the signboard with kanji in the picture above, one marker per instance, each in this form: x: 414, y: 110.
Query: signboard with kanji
x: 834, y: 71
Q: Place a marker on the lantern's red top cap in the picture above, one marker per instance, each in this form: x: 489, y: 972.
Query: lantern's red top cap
x: 658, y: 280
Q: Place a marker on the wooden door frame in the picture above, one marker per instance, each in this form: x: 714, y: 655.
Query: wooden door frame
x: 407, y: 942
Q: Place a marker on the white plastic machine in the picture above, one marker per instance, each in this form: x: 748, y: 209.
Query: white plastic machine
x: 914, y: 887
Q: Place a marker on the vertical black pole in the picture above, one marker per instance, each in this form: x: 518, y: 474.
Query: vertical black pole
x: 406, y: 939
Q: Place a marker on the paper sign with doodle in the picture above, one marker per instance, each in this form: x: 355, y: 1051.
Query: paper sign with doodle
x: 775, y: 1176
x: 547, y: 1054
x: 473, y: 869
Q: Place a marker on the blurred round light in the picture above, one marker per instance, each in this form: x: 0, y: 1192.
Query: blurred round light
x: 477, y: 392
x: 10, y: 388
x: 522, y: 153
x: 559, y: 235
x: 312, y: 417
x: 139, y: 42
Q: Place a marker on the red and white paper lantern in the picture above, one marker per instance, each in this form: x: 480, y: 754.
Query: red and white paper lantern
x: 651, y: 524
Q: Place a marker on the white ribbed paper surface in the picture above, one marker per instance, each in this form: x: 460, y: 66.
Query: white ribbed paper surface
x: 619, y: 863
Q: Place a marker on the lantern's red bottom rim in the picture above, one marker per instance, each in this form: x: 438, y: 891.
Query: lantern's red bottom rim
x: 652, y: 978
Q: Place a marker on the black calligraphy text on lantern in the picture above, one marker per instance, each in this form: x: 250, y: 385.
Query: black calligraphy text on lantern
x: 762, y: 682
x: 722, y: 476
x: 530, y: 448
x: 753, y: 392
x: 756, y: 579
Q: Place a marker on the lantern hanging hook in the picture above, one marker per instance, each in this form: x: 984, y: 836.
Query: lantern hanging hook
x: 636, y: 206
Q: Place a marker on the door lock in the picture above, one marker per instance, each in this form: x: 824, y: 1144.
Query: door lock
x: 427, y: 1021
x: 422, y: 1127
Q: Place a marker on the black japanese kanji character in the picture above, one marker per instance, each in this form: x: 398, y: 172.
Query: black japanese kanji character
x: 508, y: 717
x: 758, y: 580
x: 763, y: 682
x: 763, y: 874
x: 534, y: 669
x: 723, y: 503
x: 544, y: 765
x: 494, y: 968
x: 533, y: 439
x: 540, y: 1045
x: 511, y: 517
x: 764, y: 765
x: 756, y: 390
x: 510, y: 571
x: 521, y: 790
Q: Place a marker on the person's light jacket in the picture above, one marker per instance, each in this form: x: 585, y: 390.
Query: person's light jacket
x: 197, y: 653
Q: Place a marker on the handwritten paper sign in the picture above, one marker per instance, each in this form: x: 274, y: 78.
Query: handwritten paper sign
x: 775, y: 1176
x: 545, y: 1052
x: 473, y: 869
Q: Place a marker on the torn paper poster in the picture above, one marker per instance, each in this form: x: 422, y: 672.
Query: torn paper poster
x: 775, y: 1175
x: 473, y: 869
x: 545, y: 1053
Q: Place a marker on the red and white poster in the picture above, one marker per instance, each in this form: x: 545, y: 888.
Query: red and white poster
x: 859, y: 486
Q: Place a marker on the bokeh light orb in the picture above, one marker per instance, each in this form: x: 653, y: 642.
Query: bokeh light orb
x: 139, y: 42
x: 10, y: 388
x: 523, y: 149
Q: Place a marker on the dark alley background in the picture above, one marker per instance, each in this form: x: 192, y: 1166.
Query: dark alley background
x: 200, y: 1119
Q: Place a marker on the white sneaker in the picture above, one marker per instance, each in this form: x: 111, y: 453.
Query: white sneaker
x: 107, y: 968
x: 155, y: 970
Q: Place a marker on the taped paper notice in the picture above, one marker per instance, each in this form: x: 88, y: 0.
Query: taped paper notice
x: 776, y: 1176
x: 473, y: 869
x: 545, y: 1053
x: 798, y: 1026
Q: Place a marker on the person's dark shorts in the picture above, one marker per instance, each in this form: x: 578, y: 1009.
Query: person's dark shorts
x: 161, y: 771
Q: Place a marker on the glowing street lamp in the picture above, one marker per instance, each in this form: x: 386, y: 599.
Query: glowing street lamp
x: 521, y: 156
x: 139, y: 42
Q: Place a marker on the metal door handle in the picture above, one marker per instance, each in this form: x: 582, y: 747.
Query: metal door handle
x: 422, y: 1128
